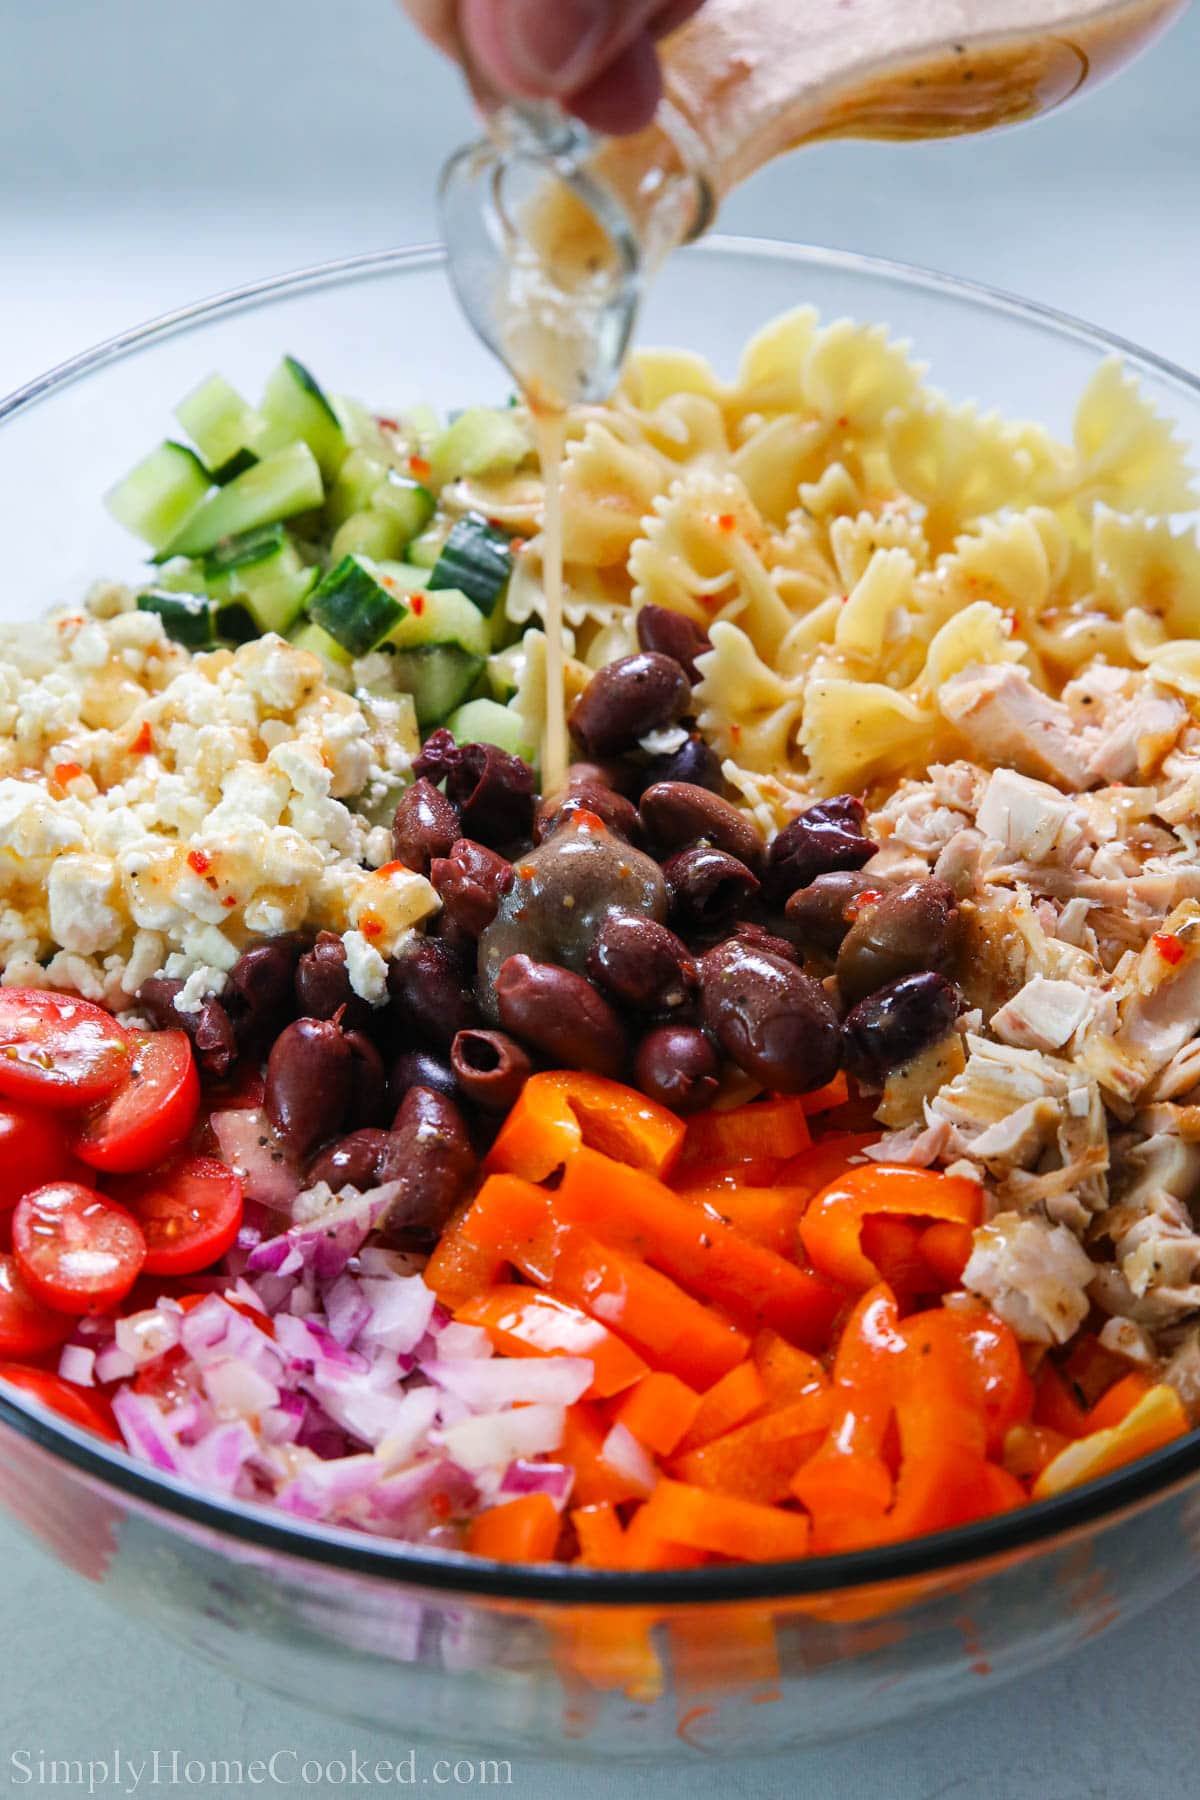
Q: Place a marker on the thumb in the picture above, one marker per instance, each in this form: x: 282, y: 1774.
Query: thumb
x: 552, y: 50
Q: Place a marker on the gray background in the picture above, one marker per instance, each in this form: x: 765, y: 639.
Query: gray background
x: 152, y: 152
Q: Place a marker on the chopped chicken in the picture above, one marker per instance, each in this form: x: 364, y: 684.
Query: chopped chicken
x: 1034, y: 1274
x: 1001, y: 714
x: 1029, y: 819
x: 1134, y: 743
x: 1183, y: 1373
x: 920, y: 1146
x: 1130, y: 1341
x: 1162, y: 1012
x: 1044, y: 1015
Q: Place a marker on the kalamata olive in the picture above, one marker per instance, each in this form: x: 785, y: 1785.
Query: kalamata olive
x: 428, y: 1152
x: 471, y: 881
x: 677, y: 1066
x: 618, y: 813
x: 352, y: 1161
x: 426, y: 983
x: 772, y: 1020
x: 368, y: 1088
x: 673, y: 634
x: 694, y: 761
x: 323, y: 984
x: 491, y: 1068
x: 822, y: 913
x: 561, y: 1015
x: 912, y: 927
x: 492, y: 790
x: 642, y: 965
x: 827, y: 836
x: 628, y: 698
x: 675, y: 813
x: 260, y: 995
x: 562, y: 893
x: 424, y: 825
x: 309, y: 1075
x: 896, y: 1023
x: 706, y: 887
x: 210, y: 1029
x: 420, y: 1068
x: 761, y: 939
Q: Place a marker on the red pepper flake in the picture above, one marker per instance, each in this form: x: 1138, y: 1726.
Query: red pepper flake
x: 393, y: 868
x: 1168, y: 946
x: 421, y: 467
x: 868, y: 897
x: 229, y: 900
x: 583, y: 820
x: 1014, y: 625
x: 198, y: 861
x: 143, y: 743
x: 65, y: 773
x: 386, y: 424
x: 370, y: 926
x: 515, y: 546
x: 526, y: 871
x: 417, y: 602
x: 735, y: 732
x: 727, y: 521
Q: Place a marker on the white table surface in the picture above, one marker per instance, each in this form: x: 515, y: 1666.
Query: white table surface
x: 152, y: 152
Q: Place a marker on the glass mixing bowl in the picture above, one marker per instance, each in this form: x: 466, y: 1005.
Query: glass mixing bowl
x: 518, y: 1661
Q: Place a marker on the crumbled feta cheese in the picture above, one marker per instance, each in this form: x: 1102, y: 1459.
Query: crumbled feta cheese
x: 201, y: 985
x: 366, y: 968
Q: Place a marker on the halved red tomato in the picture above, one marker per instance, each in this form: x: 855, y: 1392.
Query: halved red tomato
x: 78, y: 1251
x: 78, y: 1404
x: 34, y: 1148
x: 59, y: 1051
x: 27, y: 1326
x: 189, y: 1210
x: 151, y: 1112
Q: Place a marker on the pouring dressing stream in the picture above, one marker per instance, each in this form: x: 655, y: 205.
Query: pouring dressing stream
x: 553, y: 232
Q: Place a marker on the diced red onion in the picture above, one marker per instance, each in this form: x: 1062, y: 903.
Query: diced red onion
x: 555, y: 1479
x: 400, y: 1312
x: 144, y: 1430
x: 114, y: 1364
x: 487, y: 1386
x: 347, y: 1310
x: 78, y: 1364
x: 236, y: 1390
x: 488, y: 1443
x: 145, y: 1336
x: 622, y: 1452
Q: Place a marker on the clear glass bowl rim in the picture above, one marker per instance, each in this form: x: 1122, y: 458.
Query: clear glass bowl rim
x: 960, y: 1550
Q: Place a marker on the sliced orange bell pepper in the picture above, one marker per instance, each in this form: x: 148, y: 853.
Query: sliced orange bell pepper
x: 788, y: 1374
x: 601, y: 1536
x: 831, y: 1228
x: 1157, y: 1419
x: 524, y: 1321
x: 473, y: 1253
x: 946, y: 1248
x: 659, y: 1411
x: 562, y: 1109
x: 1002, y: 1489
x: 1118, y: 1402
x: 980, y: 1352
x: 824, y: 1099
x: 647, y: 1548
x: 1055, y: 1405
x: 776, y: 1128
x: 893, y: 1246
x: 597, y: 1483
x: 758, y: 1461
x: 755, y: 1286
x: 768, y: 1215
x: 1090, y: 1369
x: 729, y: 1402
x: 703, y: 1520
x: 830, y: 1156
x: 517, y: 1531
x: 666, y: 1326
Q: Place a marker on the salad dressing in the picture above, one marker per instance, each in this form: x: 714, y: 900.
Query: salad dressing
x: 553, y: 233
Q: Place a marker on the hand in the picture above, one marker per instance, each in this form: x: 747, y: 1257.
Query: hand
x: 596, y: 57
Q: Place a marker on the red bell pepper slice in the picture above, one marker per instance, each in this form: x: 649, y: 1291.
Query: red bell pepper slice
x: 831, y: 1229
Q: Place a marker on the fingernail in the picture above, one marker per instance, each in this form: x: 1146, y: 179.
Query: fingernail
x: 556, y: 43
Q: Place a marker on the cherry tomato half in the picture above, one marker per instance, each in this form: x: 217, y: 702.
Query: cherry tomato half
x: 189, y: 1210
x: 151, y: 1112
x: 27, y: 1327
x: 79, y: 1404
x: 34, y: 1149
x: 78, y: 1251
x: 59, y: 1051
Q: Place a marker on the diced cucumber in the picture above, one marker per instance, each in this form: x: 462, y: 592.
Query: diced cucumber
x: 190, y: 619
x: 264, y: 572
x: 438, y: 676
x: 181, y: 576
x: 405, y: 577
x: 310, y: 637
x: 295, y: 407
x: 481, y: 441
x: 443, y: 618
x: 236, y: 624
x: 425, y: 550
x: 410, y: 504
x: 354, y: 486
x: 248, y: 550
x: 225, y: 429
x: 487, y: 722
x: 477, y: 560
x: 160, y: 493
x: 373, y: 534
x: 283, y: 484
x: 422, y: 422
x: 355, y: 605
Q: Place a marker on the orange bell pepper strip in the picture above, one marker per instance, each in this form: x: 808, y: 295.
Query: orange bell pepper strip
x: 788, y: 1374
x: 827, y: 1158
x: 753, y: 1285
x: 1114, y: 1406
x: 647, y: 1548
x: 1003, y: 1490
x: 980, y: 1352
x: 1157, y: 1420
x: 1055, y: 1405
x: 524, y: 1321
x: 758, y: 1461
x: 601, y: 1536
x: 659, y: 1411
x: 849, y: 1476
x: 667, y: 1327
x: 518, y: 1531
x: 831, y: 1229
x: 1028, y: 1448
x: 946, y: 1249
x: 473, y: 1252
x: 776, y: 1128
x: 824, y: 1099
x: 1090, y: 1369
x: 893, y: 1246
x: 721, y: 1523
x: 767, y: 1215
x: 564, y: 1108
x: 597, y: 1483
x: 729, y: 1402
